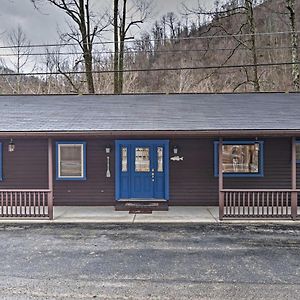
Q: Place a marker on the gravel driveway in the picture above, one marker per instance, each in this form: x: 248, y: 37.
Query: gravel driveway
x: 87, y: 261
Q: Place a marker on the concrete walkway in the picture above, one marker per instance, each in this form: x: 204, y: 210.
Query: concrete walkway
x: 107, y: 214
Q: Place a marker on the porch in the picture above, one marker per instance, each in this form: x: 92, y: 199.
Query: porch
x: 108, y: 215
x: 258, y: 203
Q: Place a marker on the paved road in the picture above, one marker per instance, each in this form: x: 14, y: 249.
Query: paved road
x: 149, y: 262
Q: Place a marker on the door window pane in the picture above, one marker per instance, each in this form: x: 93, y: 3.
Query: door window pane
x: 124, y: 159
x: 142, y: 159
x: 160, y: 155
x: 241, y: 158
x: 71, y: 160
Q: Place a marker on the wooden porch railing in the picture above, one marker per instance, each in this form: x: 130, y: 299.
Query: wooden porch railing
x: 260, y: 203
x: 26, y: 204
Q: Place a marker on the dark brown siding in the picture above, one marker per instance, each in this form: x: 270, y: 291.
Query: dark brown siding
x: 96, y: 189
x: 277, y: 168
x: 192, y: 181
x: 27, y: 166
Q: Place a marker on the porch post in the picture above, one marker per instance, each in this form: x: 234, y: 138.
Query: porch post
x: 294, y: 197
x: 221, y: 194
x: 50, y: 179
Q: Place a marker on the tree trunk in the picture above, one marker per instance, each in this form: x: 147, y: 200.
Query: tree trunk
x: 87, y: 47
x: 294, y: 44
x: 252, y: 30
x: 116, y: 45
x: 18, y: 68
x: 122, y: 44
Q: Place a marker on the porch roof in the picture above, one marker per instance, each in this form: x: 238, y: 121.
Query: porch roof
x: 174, y: 112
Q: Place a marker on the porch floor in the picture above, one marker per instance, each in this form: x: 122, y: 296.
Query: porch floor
x: 107, y: 214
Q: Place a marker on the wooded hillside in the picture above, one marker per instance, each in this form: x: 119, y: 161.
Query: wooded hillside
x: 177, y: 43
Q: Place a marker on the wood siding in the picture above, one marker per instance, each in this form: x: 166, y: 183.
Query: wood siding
x: 97, y: 189
x: 27, y: 166
x: 192, y: 181
x: 277, y: 168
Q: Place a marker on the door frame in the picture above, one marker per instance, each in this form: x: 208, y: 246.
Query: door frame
x: 119, y: 143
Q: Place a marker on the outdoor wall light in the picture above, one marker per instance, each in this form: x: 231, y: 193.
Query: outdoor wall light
x: 175, y: 150
x: 107, y: 149
x: 11, y: 146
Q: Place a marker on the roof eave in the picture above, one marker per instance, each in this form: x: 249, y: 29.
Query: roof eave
x: 148, y: 133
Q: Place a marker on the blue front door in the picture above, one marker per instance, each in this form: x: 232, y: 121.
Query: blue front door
x: 142, y: 169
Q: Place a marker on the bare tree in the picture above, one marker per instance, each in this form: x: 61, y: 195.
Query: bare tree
x: 249, y: 11
x: 242, y: 11
x: 290, y: 5
x: 84, y: 29
x: 21, y: 49
x: 127, y: 14
x: 171, y: 21
x: 116, y: 46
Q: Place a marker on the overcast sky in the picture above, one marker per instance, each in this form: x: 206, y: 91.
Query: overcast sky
x: 41, y: 26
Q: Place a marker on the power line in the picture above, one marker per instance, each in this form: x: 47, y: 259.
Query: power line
x: 150, y: 51
x: 151, y: 70
x: 153, y: 40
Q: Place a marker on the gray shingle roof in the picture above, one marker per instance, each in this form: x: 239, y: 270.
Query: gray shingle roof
x: 150, y: 112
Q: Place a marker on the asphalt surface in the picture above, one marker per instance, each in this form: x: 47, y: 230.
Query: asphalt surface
x: 86, y: 261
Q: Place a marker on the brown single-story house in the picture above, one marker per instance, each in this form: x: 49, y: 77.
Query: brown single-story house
x: 235, y: 151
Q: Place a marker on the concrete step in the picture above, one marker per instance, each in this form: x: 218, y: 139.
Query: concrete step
x: 141, y: 207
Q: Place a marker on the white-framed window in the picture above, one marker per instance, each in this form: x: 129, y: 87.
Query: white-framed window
x: 71, y: 160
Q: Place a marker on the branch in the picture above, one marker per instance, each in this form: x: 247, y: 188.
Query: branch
x: 75, y: 15
x: 202, y: 11
x: 68, y: 78
x: 132, y: 23
x: 223, y: 64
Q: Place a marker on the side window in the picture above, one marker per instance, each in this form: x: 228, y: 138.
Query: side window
x: 124, y: 159
x: 1, y: 162
x: 160, y: 159
x: 298, y: 152
x: 71, y: 160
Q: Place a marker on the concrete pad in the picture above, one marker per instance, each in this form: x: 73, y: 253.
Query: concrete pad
x: 214, y: 211
x: 92, y: 214
x: 24, y: 221
x: 178, y: 214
